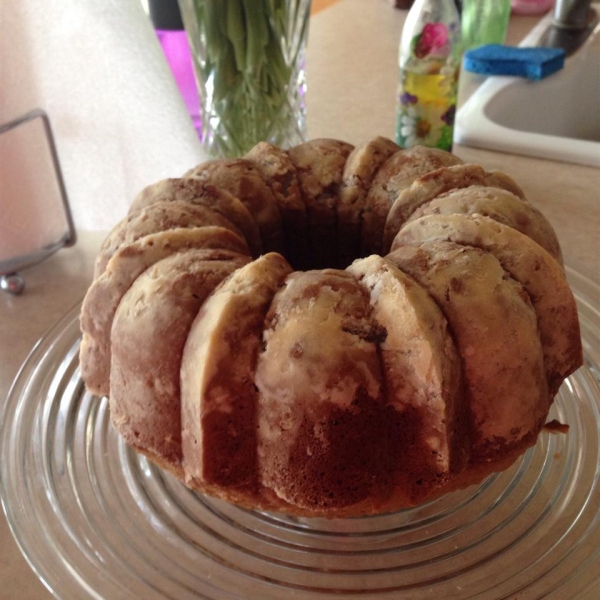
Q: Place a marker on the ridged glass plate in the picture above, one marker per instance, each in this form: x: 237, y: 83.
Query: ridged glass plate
x: 95, y: 520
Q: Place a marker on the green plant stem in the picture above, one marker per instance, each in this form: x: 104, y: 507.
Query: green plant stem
x: 247, y: 68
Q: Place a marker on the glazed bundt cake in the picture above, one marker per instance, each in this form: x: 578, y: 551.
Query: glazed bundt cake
x: 328, y: 330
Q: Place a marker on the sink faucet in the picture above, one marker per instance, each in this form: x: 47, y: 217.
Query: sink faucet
x: 572, y: 23
x: 572, y: 14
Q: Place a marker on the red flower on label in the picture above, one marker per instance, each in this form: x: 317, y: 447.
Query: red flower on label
x: 433, y: 37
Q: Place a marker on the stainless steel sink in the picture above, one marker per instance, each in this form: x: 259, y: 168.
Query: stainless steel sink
x: 557, y: 117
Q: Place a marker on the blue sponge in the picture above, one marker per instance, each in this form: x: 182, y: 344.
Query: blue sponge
x: 533, y: 63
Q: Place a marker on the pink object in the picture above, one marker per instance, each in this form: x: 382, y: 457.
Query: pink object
x: 531, y: 7
x: 178, y: 55
x: 166, y: 18
x: 434, y: 37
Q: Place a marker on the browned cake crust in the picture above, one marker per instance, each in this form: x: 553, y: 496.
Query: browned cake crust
x: 195, y: 191
x: 325, y: 440
x: 320, y: 165
x: 162, y: 303
x: 362, y: 165
x: 278, y: 170
x: 495, y: 329
x: 218, y: 394
x: 243, y: 180
x: 421, y: 370
x: 498, y: 204
x: 333, y: 393
x: 397, y: 174
x: 433, y: 184
x: 158, y: 217
x: 126, y: 265
x: 530, y: 265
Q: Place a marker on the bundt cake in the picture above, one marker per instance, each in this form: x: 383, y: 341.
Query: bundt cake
x: 328, y: 330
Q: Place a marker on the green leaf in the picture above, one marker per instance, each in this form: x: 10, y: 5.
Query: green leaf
x: 257, y: 33
x: 245, y: 66
x: 236, y: 31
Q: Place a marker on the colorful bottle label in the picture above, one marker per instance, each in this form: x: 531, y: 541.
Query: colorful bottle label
x: 434, y: 40
x: 426, y: 109
x: 428, y: 86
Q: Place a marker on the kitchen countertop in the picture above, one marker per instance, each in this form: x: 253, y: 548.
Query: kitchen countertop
x: 351, y: 67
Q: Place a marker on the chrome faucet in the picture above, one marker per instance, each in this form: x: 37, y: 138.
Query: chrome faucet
x: 573, y: 21
x: 572, y: 14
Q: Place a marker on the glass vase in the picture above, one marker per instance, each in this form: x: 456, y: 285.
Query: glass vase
x: 249, y: 59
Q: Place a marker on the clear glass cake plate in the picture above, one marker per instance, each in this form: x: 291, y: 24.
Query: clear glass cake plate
x: 95, y: 520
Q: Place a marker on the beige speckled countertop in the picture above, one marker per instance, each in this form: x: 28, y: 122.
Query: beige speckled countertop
x: 352, y: 79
